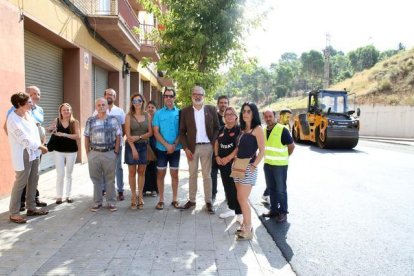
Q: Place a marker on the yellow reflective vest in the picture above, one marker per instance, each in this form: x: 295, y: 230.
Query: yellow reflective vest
x: 276, y: 153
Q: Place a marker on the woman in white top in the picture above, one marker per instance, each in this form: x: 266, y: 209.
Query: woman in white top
x: 25, y: 147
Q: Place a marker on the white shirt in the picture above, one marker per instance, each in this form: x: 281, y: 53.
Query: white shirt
x: 119, y: 114
x: 23, y: 134
x: 200, y: 122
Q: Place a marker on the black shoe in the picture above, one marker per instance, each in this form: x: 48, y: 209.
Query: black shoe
x: 270, y: 215
x: 40, y: 203
x: 188, y: 205
x: 59, y: 201
x: 69, y: 200
x: 209, y: 208
x: 281, y: 218
x: 121, y: 196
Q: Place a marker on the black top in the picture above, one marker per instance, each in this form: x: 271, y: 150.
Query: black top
x: 64, y: 144
x: 227, y: 140
x: 247, y: 146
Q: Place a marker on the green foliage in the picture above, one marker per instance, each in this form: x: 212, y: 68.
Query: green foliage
x: 312, y: 68
x: 198, y: 37
x: 363, y: 58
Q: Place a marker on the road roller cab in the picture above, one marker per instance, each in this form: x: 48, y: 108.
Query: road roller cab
x: 329, y: 121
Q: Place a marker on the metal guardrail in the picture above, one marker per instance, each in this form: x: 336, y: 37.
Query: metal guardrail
x: 120, y: 8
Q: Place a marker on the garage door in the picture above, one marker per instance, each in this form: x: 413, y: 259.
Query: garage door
x: 44, y: 69
x: 99, y: 83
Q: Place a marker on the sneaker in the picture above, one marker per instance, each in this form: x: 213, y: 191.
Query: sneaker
x: 112, y: 208
x: 227, y: 214
x: 239, y: 219
x: 96, y: 207
x: 154, y: 194
x: 266, y: 199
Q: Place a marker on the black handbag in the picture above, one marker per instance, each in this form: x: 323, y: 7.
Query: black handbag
x: 52, y: 140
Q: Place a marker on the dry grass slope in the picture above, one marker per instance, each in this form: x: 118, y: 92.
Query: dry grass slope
x: 390, y: 82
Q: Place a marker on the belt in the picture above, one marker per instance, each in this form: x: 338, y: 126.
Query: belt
x: 203, y: 143
x: 102, y: 149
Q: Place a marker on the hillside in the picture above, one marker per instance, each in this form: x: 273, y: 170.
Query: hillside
x: 389, y: 82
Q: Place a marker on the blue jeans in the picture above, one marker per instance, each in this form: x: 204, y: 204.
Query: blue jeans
x: 276, y: 177
x: 119, y: 172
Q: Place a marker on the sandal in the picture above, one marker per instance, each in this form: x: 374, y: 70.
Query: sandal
x: 160, y: 205
x: 38, y: 212
x: 244, y: 236
x: 18, y: 220
x: 140, y: 205
x: 175, y: 204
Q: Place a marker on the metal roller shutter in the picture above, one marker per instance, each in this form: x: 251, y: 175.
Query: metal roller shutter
x: 44, y: 68
x: 99, y: 82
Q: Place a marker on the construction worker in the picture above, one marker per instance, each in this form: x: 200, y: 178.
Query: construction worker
x: 278, y: 146
x: 284, y: 119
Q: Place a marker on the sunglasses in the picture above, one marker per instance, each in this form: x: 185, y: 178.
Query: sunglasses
x: 248, y: 111
x: 136, y: 101
x: 169, y: 96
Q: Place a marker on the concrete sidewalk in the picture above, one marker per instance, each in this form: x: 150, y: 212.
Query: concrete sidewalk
x: 72, y: 240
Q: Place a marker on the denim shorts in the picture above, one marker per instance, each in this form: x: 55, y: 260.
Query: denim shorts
x: 142, y: 154
x: 163, y: 159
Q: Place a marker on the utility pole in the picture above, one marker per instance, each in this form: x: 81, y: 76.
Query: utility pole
x: 327, y: 56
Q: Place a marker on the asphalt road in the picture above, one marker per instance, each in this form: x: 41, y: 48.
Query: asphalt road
x: 351, y: 211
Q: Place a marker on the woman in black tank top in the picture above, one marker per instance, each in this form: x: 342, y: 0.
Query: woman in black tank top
x: 66, y: 130
x: 251, y: 140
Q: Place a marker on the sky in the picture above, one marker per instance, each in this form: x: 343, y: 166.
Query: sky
x: 302, y: 25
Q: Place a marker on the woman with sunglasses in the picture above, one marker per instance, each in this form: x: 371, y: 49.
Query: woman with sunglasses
x: 224, y: 153
x: 25, y: 145
x: 138, y: 130
x: 66, y: 130
x: 251, y: 139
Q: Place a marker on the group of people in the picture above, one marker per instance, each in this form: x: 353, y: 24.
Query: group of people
x: 213, y: 137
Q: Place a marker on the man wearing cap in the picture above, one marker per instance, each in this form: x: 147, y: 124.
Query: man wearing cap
x: 279, y: 146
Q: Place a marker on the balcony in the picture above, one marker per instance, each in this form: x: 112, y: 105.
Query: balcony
x: 148, y: 47
x: 114, y: 21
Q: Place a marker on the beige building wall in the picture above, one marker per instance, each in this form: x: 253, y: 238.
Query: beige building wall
x: 54, y: 22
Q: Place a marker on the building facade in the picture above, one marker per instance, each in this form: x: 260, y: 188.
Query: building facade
x: 73, y: 50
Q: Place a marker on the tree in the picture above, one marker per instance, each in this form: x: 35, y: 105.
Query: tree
x: 363, y: 58
x: 312, y: 68
x: 198, y: 37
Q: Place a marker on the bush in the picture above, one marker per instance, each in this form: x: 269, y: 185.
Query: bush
x: 384, y: 85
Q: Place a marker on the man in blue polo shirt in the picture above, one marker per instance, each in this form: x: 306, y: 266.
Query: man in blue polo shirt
x: 166, y: 125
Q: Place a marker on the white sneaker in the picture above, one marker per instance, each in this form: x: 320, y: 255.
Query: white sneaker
x: 239, y: 219
x: 227, y: 214
x: 266, y: 199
